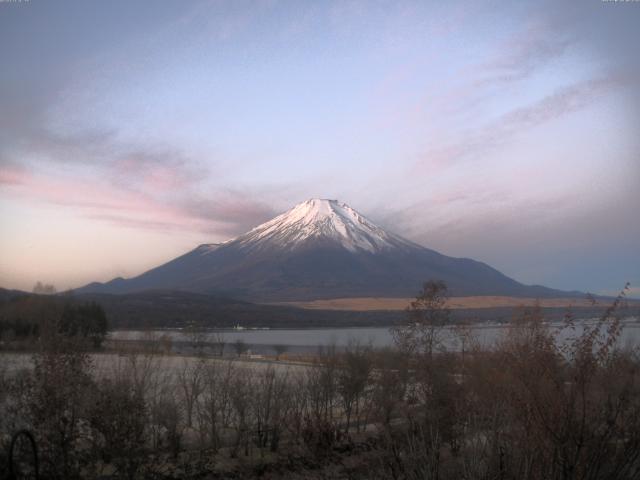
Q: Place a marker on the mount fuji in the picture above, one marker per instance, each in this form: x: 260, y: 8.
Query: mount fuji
x: 320, y: 249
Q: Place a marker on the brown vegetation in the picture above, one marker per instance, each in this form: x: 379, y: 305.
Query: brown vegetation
x: 528, y: 408
x: 368, y: 304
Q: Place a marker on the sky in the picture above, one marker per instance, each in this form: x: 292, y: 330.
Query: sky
x: 507, y: 132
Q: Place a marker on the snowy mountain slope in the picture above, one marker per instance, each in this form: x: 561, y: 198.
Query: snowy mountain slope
x: 320, y: 249
x: 319, y: 219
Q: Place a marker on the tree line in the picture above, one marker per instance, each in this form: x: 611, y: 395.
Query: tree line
x: 25, y: 319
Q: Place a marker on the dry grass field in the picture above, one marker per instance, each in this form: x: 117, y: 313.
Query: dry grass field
x: 364, y: 304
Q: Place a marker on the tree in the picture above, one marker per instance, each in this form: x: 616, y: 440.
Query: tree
x: 119, y: 415
x: 196, y: 335
x: 31, y: 316
x: 190, y: 381
x: 214, y: 411
x: 353, y: 377
x: 166, y: 343
x: 426, y: 317
x: 240, y: 347
x: 57, y: 399
x: 389, y: 385
x: 86, y: 320
x: 44, y: 289
x: 219, y: 343
x: 270, y: 398
x: 280, y: 349
x: 465, y: 337
x: 240, y: 396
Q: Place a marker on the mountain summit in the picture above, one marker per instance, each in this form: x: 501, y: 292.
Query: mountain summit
x: 319, y: 249
x: 324, y: 221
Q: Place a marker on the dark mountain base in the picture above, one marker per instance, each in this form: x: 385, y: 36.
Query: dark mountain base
x: 168, y: 309
x: 179, y: 309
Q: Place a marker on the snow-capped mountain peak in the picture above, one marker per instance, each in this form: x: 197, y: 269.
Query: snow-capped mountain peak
x: 322, y: 219
x: 319, y: 249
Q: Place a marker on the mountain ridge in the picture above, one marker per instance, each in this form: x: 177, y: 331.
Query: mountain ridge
x: 320, y: 249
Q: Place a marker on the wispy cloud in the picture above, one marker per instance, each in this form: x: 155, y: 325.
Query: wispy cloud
x: 563, y: 101
x: 132, y: 184
x: 476, y: 143
x: 232, y: 212
x: 220, y: 213
x: 524, y: 52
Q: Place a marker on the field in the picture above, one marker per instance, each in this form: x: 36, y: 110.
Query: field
x: 365, y: 304
x: 109, y: 364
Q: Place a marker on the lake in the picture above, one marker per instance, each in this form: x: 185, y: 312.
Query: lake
x: 301, y: 340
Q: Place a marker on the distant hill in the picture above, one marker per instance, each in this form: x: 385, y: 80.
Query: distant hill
x: 7, y: 294
x: 176, y: 309
x: 171, y: 309
x: 320, y: 249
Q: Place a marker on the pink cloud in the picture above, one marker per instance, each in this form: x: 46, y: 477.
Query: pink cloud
x: 224, y: 212
x: 11, y: 176
x: 156, y: 171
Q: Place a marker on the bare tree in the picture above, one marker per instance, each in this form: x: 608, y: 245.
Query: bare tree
x: 270, y: 406
x: 190, y: 382
x: 196, y: 336
x: 464, y: 336
x: 219, y: 342
x: 321, y: 385
x: 166, y: 344
x: 240, y: 396
x: 426, y: 317
x: 353, y: 378
x: 298, y: 406
x: 214, y: 411
x: 240, y: 347
x: 118, y: 416
x: 280, y: 349
x: 166, y: 413
x: 390, y: 379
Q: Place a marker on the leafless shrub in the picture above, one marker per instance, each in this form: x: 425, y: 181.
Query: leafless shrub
x: 353, y: 379
x: 241, y: 411
x: 214, y: 408
x: 54, y: 405
x: 118, y: 417
x: 298, y: 407
x: 270, y: 406
x: 190, y: 383
x: 389, y: 386
x: 167, y: 414
x: 321, y: 386
x: 414, y: 454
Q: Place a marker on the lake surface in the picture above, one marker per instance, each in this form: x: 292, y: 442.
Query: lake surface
x: 312, y: 338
